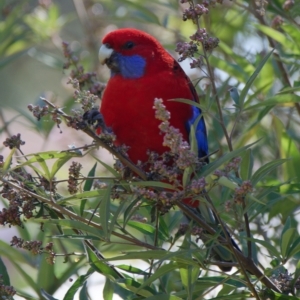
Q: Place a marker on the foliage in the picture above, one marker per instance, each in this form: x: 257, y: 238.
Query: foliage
x: 250, y: 101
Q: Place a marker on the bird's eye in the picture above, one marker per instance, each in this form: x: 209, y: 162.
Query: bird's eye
x: 129, y: 45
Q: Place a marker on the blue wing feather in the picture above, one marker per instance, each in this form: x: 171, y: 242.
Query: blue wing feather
x: 200, y: 129
x: 200, y: 132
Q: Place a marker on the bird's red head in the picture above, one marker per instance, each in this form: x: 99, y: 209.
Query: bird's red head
x: 133, y: 50
x: 128, y: 41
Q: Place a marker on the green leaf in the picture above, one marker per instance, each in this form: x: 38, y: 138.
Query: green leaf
x: 282, y: 99
x: 264, y: 170
x: 87, y: 187
x: 130, y: 210
x: 101, y: 266
x: 279, y: 37
x: 42, y: 157
x: 272, y: 249
x: 3, y: 272
x: 58, y: 164
x: 296, y: 274
x: 80, y: 281
x: 246, y: 165
x: 75, y: 237
x: 108, y: 168
x: 146, y: 229
x: 188, y: 276
x: 162, y: 255
x: 83, y: 294
x: 230, y: 68
x: 108, y: 290
x: 9, y: 59
x: 210, y: 168
x: 287, y: 237
x: 289, y: 90
x: 294, y: 248
x: 135, y: 287
x: 269, y: 294
x: 35, y: 157
x: 250, y: 81
x: 160, y: 272
x: 237, y: 283
x: 243, y: 239
x: 157, y: 184
x: 104, y: 212
x: 89, y: 182
x: 141, y: 12
x: 116, y: 215
x: 45, y: 271
x: 71, y: 224
x: 163, y: 297
x: 83, y: 195
x: 133, y: 270
x: 18, y: 260
x: 47, y: 296
x: 8, y: 160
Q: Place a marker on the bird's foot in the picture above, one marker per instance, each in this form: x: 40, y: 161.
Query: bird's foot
x: 94, y: 118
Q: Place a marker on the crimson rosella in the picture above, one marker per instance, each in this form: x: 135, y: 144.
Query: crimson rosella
x: 142, y: 70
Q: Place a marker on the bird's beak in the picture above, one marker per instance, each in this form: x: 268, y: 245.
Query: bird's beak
x: 105, y: 53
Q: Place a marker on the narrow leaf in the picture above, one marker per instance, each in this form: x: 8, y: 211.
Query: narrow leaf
x: 79, y: 282
x: 264, y: 170
x: 250, y: 81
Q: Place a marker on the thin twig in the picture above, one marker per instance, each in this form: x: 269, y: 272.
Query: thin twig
x: 245, y: 261
x: 74, y: 216
x: 278, y: 61
x: 231, y: 247
x: 126, y: 161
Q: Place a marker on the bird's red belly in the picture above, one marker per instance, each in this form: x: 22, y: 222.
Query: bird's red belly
x: 128, y: 110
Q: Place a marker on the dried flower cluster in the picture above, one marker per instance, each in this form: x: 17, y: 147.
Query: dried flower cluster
x: 42, y: 111
x: 261, y: 4
x: 173, y: 138
x: 139, y: 218
x: 35, y: 247
x: 38, y: 111
x: 14, y: 142
x: 284, y: 282
x: 232, y: 166
x: 277, y: 22
x: 169, y: 166
x: 88, y: 79
x: 194, y: 12
x: 195, y: 230
x: 241, y: 192
x: 197, y: 186
x: 47, y: 185
x: 20, y: 204
x: 164, y: 200
x: 86, y: 98
x: 200, y: 39
x: 74, y: 174
x: 6, y: 291
x: 288, y: 5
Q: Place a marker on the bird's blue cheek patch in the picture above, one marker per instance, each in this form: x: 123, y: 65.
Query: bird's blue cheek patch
x: 131, y: 67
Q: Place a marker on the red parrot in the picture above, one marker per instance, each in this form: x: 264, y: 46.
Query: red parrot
x: 142, y: 70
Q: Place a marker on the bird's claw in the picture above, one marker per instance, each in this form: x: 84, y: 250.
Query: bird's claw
x: 94, y: 118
